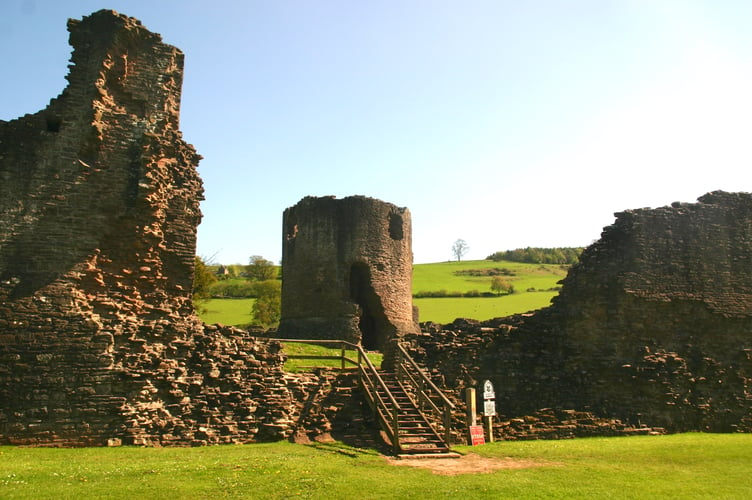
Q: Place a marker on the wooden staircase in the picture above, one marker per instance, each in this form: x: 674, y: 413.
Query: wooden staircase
x: 415, y: 416
x: 415, y: 435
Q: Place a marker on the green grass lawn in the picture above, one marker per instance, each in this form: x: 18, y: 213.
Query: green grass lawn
x: 231, y: 312
x: 447, y: 309
x: 302, y: 365
x: 686, y: 466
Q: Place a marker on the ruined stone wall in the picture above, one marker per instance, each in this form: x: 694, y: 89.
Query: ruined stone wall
x: 99, y: 205
x: 347, y: 271
x: 660, y: 314
x: 653, y: 326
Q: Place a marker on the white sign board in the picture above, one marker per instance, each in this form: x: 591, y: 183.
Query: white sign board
x: 488, y: 390
x: 489, y: 408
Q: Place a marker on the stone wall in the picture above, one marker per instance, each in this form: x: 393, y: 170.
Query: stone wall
x: 654, y: 326
x: 99, y: 344
x: 99, y: 205
x: 347, y: 271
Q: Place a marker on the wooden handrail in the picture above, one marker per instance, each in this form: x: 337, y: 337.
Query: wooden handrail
x: 406, y: 364
x: 392, y: 427
x: 423, y: 375
x: 370, y: 380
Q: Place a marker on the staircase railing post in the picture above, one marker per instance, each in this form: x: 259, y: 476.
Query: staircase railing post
x: 398, y: 366
x: 360, y: 368
x: 395, y: 430
x: 447, y: 424
x: 343, y: 355
x: 421, y: 393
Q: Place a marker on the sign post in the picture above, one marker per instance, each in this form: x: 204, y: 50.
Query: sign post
x: 476, y: 431
x: 489, y: 407
x: 471, y: 409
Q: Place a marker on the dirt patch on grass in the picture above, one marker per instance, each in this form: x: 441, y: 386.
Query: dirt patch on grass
x: 466, y: 464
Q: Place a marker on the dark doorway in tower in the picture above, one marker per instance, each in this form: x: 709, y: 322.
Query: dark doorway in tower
x: 372, y: 322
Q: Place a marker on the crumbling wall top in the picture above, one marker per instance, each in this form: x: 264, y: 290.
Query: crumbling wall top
x: 101, y: 180
x: 686, y: 251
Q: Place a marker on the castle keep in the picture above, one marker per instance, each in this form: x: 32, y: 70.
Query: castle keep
x: 347, y: 271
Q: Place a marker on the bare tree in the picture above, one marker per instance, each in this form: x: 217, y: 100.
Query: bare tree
x: 459, y: 249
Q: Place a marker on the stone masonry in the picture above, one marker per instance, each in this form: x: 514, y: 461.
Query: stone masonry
x: 347, y: 271
x: 99, y: 205
x: 100, y: 345
x: 654, y: 326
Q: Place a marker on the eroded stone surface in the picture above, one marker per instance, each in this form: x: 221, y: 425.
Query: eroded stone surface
x: 99, y: 204
x: 654, y: 326
x: 347, y: 271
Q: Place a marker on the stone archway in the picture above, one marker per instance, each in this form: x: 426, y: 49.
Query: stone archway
x: 372, y: 319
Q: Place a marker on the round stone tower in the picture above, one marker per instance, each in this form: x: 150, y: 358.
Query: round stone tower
x: 347, y: 272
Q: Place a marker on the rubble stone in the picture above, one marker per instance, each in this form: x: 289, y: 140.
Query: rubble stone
x: 99, y: 205
x: 654, y: 325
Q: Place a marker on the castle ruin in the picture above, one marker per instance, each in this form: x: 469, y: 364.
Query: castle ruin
x: 347, y: 271
x: 100, y: 345
x: 99, y: 206
x: 653, y: 325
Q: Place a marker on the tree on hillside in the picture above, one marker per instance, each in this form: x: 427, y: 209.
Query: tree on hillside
x: 267, y: 307
x: 203, y: 279
x: 459, y: 249
x: 260, y: 269
x: 500, y: 285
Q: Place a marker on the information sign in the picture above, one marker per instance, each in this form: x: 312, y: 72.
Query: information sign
x: 476, y: 435
x: 489, y: 408
x: 488, y: 390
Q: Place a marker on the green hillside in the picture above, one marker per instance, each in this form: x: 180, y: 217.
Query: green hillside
x: 535, y: 285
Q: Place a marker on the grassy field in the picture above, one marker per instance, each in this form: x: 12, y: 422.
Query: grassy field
x: 227, y: 311
x: 441, y: 276
x: 301, y: 365
x: 446, y: 310
x: 686, y: 466
x: 532, y: 283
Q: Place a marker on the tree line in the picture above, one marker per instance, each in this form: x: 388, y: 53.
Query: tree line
x: 536, y: 255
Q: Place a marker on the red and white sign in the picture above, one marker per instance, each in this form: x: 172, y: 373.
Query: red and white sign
x: 476, y: 435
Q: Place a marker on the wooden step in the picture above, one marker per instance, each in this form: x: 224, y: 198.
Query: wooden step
x: 416, y: 436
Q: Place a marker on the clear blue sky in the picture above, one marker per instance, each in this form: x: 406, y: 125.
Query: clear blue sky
x: 504, y: 123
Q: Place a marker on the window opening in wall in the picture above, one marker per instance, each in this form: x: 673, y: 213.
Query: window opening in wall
x: 396, y: 231
x: 53, y: 123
